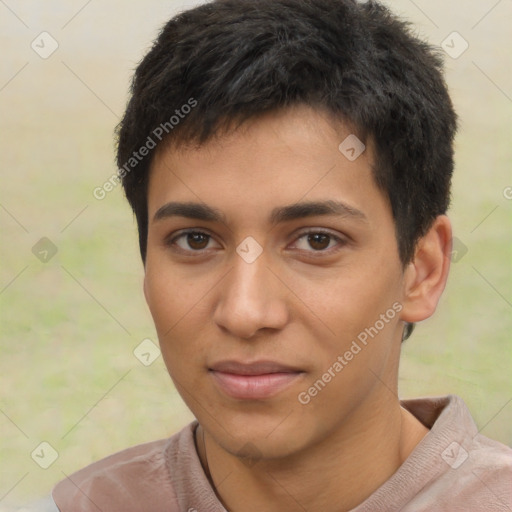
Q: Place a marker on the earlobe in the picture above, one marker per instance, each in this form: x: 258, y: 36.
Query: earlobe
x: 426, y: 275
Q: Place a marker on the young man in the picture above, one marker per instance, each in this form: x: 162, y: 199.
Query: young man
x: 289, y: 166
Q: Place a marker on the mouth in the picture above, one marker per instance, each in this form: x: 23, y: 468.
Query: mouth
x: 253, y: 381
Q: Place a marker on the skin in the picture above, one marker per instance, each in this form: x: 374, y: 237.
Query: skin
x: 300, y: 302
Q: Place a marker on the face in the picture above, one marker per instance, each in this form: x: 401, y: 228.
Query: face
x: 276, y: 295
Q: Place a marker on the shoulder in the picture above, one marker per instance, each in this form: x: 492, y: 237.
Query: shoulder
x: 477, y: 477
x: 489, y: 466
x: 466, y: 470
x: 133, y: 479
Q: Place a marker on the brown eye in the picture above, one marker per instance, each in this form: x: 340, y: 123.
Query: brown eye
x: 190, y: 241
x: 197, y: 240
x: 319, y: 241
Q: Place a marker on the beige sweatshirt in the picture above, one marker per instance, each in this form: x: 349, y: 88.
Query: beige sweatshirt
x: 453, y: 468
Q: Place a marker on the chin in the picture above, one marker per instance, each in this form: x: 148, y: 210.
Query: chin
x: 258, y: 434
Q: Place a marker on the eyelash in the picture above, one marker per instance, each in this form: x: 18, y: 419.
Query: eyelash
x: 170, y: 242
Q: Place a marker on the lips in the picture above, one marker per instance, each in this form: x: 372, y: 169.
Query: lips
x: 253, y: 381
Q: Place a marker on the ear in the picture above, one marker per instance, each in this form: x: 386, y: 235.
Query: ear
x: 425, y: 277
x: 145, y: 288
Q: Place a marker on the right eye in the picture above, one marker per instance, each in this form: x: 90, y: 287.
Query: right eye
x: 189, y: 241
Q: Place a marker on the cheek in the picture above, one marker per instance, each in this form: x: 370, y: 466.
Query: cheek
x: 346, y: 301
x: 178, y: 303
x: 352, y: 354
x: 171, y: 294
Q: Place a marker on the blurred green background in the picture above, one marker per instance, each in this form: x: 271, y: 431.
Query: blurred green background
x: 69, y: 325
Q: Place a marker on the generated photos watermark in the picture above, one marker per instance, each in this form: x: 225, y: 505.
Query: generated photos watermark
x: 152, y: 140
x: 304, y: 397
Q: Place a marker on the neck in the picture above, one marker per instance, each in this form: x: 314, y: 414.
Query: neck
x: 335, y: 475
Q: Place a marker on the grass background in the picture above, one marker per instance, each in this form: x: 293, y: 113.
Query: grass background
x: 69, y: 326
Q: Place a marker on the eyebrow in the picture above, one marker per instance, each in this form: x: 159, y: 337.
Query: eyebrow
x: 200, y: 211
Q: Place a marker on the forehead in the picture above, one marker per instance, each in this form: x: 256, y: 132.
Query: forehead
x: 281, y: 158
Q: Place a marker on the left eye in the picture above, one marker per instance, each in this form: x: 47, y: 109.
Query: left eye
x: 319, y: 241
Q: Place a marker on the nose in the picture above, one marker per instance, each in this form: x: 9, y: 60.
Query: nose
x: 252, y: 298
